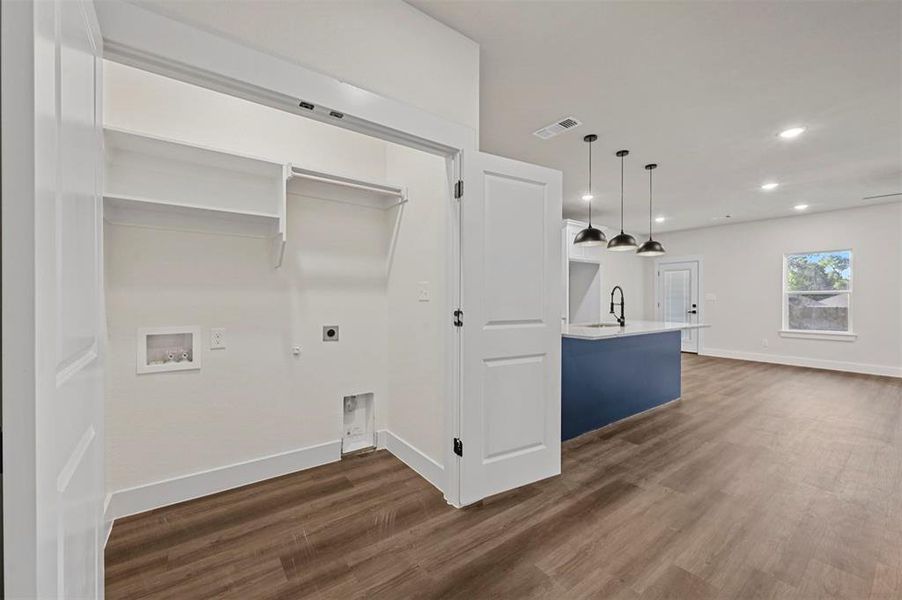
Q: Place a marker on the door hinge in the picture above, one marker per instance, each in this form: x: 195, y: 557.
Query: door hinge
x: 458, y: 321
x: 458, y: 447
x: 459, y: 189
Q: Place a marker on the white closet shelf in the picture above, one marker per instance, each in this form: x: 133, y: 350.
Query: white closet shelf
x: 143, y: 212
x: 121, y: 140
x: 168, y: 184
x: 341, y: 188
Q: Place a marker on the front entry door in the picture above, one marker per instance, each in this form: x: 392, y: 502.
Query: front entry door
x: 510, y: 423
x: 677, y: 300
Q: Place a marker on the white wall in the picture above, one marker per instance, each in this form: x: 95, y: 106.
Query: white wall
x: 416, y: 329
x: 254, y: 399
x: 743, y: 269
x: 138, y: 101
x: 385, y: 46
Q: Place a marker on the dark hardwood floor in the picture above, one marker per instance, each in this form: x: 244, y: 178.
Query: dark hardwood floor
x: 763, y: 482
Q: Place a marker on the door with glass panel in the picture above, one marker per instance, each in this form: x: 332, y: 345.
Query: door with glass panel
x: 677, y: 300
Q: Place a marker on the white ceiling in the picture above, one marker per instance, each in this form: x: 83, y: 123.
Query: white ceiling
x: 702, y: 88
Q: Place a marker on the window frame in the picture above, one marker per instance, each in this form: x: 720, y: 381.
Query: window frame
x: 785, y: 330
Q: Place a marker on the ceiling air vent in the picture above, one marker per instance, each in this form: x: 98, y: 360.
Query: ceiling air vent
x: 557, y: 128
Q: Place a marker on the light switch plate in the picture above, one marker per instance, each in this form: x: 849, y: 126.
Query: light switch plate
x: 217, y: 338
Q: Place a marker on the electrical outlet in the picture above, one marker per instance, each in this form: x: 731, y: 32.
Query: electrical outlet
x: 423, y: 291
x: 217, y: 338
x: 764, y: 342
x: 330, y: 333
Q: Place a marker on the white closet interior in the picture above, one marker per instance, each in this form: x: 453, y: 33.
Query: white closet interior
x: 267, y: 227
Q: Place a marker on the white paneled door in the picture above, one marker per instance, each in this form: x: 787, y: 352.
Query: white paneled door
x: 56, y: 208
x: 510, y: 421
x: 677, y: 302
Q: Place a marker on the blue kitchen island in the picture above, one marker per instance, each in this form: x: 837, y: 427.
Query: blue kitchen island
x: 609, y: 372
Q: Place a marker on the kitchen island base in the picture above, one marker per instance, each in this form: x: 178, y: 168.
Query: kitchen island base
x: 606, y: 380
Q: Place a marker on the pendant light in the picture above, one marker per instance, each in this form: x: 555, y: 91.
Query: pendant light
x: 590, y: 236
x: 622, y: 241
x: 651, y: 247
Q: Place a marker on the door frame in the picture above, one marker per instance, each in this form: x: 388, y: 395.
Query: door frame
x: 700, y: 260
x: 18, y: 309
x: 132, y: 36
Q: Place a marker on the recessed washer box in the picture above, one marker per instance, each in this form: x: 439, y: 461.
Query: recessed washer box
x: 161, y: 349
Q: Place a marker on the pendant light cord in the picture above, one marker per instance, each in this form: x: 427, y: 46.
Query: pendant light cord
x: 649, y: 203
x: 590, y: 184
x: 621, y: 194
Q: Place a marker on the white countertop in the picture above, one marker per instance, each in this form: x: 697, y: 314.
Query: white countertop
x: 583, y: 332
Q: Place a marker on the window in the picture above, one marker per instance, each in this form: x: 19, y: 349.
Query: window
x: 817, y: 290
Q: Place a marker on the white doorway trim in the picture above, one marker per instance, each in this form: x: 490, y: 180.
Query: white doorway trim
x: 144, y: 39
x: 133, y: 36
x: 697, y: 258
x: 18, y: 314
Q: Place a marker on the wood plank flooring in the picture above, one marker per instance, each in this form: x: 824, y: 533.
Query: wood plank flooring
x: 764, y: 481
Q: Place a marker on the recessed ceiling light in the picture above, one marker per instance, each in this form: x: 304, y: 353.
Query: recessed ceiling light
x: 587, y: 197
x: 771, y: 185
x: 792, y: 132
x: 660, y: 219
x: 800, y: 206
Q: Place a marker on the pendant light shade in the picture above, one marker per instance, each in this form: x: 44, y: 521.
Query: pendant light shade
x: 650, y: 247
x: 590, y: 236
x: 622, y: 241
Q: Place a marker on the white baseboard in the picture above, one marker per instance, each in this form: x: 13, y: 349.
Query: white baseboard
x: 108, y: 529
x: 146, y: 497
x: 131, y: 501
x: 107, y: 522
x: 427, y: 468
x: 813, y: 363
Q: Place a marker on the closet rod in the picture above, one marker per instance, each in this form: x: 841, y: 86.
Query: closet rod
x: 337, y: 180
